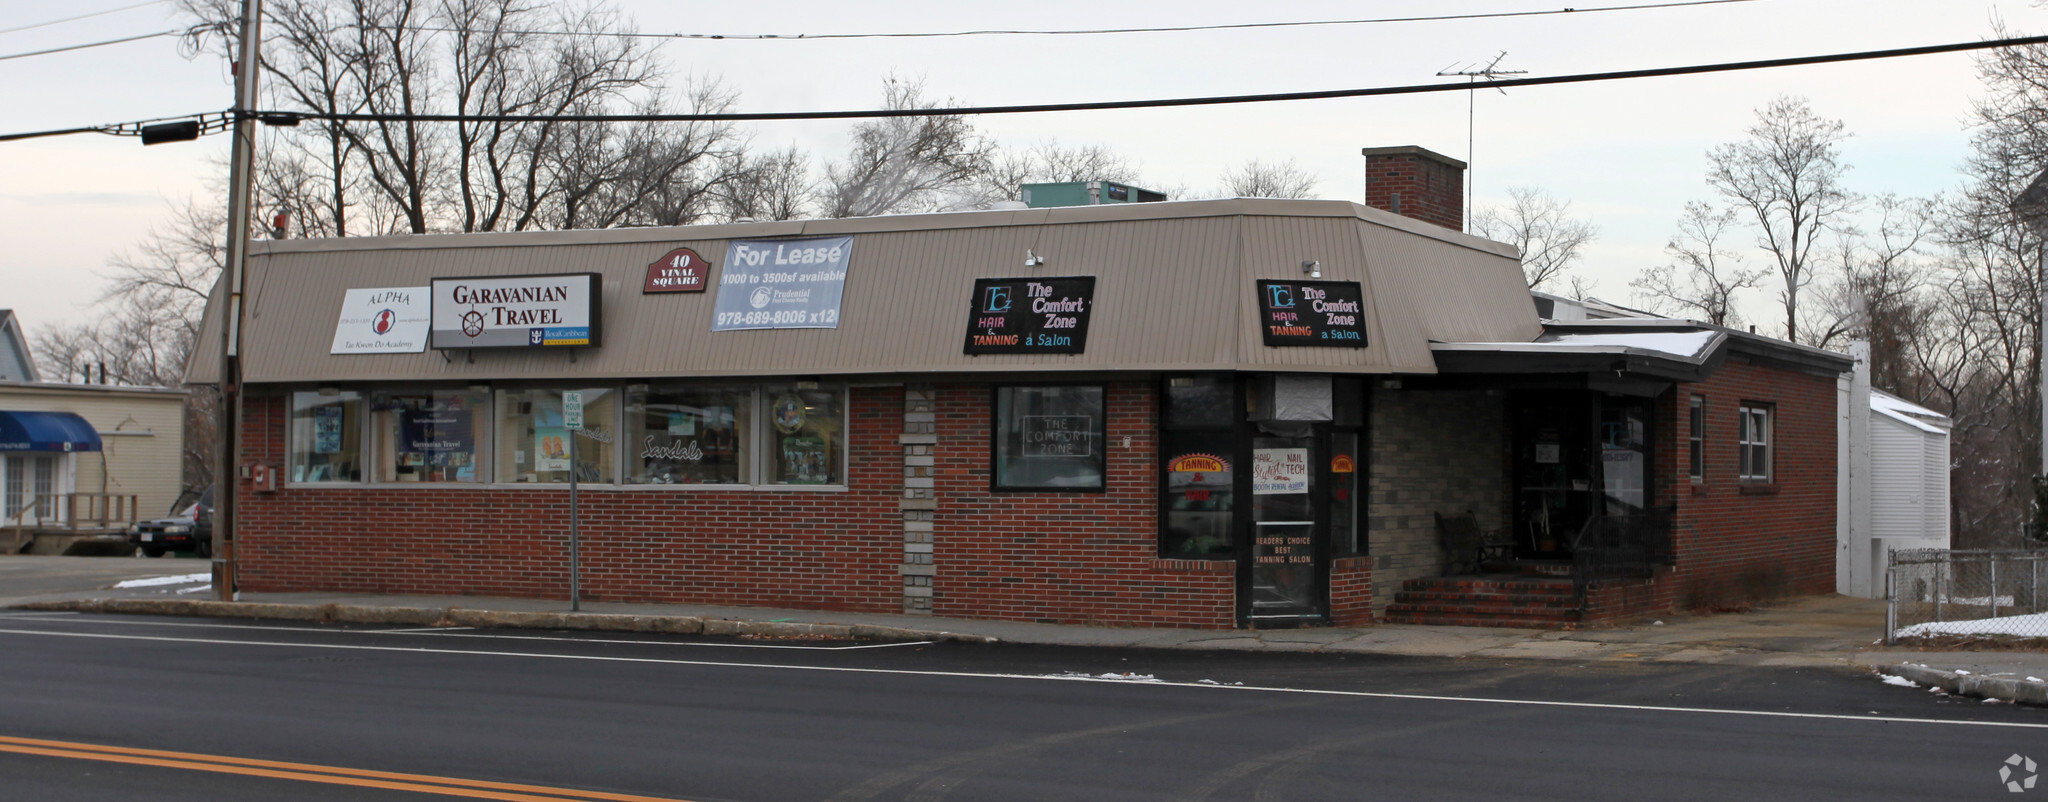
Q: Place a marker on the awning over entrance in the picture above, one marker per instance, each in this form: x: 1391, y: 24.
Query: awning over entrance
x: 46, y: 431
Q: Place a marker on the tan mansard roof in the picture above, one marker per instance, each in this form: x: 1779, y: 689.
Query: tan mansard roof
x: 1174, y: 291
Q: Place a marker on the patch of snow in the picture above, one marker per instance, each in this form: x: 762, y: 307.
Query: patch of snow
x: 2029, y: 625
x: 2033, y: 679
x: 164, y: 580
x: 1962, y: 673
x: 1899, y: 681
x: 196, y: 589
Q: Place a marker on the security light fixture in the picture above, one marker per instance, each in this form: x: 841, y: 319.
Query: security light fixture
x: 1313, y: 268
x: 1032, y: 259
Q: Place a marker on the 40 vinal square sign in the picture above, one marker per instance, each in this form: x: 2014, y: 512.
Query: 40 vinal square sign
x: 545, y: 311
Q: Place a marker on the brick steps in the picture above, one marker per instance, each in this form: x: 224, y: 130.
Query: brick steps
x: 1486, y: 602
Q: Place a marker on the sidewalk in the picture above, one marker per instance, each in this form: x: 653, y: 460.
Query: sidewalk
x: 1820, y: 631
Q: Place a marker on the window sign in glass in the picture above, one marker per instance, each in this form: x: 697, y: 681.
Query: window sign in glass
x: 326, y: 437
x: 534, y: 432
x: 1049, y: 438
x: 807, y: 435
x: 1200, y: 493
x: 689, y: 435
x: 429, y: 435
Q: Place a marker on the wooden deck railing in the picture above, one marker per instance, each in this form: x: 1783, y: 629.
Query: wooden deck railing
x: 74, y: 514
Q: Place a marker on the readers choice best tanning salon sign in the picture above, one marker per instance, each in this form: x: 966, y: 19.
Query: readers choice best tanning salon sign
x: 551, y: 311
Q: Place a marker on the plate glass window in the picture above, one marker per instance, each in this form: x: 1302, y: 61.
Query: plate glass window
x: 1049, y: 438
x: 533, y: 437
x: 806, y: 430
x: 1753, y: 436
x: 327, y: 437
x: 429, y: 435
x: 1696, y: 440
x: 681, y: 435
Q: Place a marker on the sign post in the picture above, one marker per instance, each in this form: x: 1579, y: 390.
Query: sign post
x: 572, y: 419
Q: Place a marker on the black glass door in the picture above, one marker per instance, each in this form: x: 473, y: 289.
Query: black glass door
x: 1286, y: 576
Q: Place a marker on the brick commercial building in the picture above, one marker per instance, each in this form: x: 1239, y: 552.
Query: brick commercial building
x: 1208, y: 413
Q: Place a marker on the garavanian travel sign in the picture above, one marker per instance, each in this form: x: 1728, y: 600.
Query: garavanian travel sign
x: 550, y: 311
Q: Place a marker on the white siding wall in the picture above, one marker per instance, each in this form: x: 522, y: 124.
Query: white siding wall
x: 1898, y: 483
x: 149, y: 466
x: 1935, y: 505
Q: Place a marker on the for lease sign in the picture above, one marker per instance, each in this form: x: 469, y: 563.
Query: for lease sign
x: 549, y: 311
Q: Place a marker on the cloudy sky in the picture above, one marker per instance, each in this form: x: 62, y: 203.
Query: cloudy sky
x: 1627, y: 155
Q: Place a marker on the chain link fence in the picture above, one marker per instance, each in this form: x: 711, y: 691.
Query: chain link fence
x: 1975, y: 593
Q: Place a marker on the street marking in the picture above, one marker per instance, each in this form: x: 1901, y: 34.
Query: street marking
x: 307, y: 772
x: 28, y: 613
x: 452, y: 633
x: 1051, y: 677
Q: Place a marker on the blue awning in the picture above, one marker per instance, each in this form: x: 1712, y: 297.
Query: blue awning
x: 46, y: 431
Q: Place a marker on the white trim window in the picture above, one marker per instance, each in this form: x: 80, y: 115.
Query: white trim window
x: 1753, y: 443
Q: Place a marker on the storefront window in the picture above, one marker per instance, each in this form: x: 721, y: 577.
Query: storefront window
x: 1200, y: 490
x: 688, y: 435
x: 429, y: 435
x: 326, y: 437
x: 1201, y: 402
x: 1049, y: 438
x: 533, y: 438
x: 807, y: 436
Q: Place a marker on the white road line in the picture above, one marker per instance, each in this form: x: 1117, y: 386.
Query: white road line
x: 1055, y: 678
x: 33, y: 615
x: 448, y: 633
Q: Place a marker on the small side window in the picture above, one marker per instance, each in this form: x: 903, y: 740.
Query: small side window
x: 1696, y: 440
x: 1753, y: 441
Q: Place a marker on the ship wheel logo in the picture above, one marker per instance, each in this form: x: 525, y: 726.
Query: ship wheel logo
x: 472, y: 323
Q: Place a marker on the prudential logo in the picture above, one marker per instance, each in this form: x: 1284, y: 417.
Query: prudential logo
x: 2018, y: 774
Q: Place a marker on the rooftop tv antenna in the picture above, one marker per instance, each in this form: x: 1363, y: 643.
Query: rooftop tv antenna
x: 1475, y: 73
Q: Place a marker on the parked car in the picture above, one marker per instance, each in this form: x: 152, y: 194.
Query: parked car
x: 189, y: 528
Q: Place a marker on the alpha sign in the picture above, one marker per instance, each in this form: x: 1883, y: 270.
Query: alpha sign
x: 388, y: 320
x: 549, y: 311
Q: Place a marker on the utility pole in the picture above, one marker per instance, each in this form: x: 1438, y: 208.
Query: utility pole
x: 1474, y: 74
x: 227, y: 440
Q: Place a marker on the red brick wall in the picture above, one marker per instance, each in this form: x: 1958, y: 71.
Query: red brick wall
x: 1430, y: 191
x: 791, y: 549
x: 1064, y: 557
x: 1741, y: 542
x: 1056, y: 557
x: 1351, y: 591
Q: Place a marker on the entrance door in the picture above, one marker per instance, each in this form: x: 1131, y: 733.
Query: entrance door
x: 1286, y: 581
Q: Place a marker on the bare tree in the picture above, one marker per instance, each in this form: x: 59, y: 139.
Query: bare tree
x: 1786, y: 181
x: 1702, y: 276
x: 905, y: 164
x: 776, y: 185
x: 1549, y: 237
x: 1259, y: 179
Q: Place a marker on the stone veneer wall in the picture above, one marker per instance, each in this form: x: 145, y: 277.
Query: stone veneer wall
x: 1432, y: 451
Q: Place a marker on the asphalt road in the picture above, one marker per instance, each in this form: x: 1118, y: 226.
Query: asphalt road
x: 107, y: 708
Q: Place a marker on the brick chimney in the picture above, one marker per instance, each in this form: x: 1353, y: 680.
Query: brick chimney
x: 1416, y: 182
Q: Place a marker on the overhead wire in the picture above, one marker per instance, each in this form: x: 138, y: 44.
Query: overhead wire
x: 292, y: 117
x: 68, y: 48
x: 48, y: 23
x: 1089, y: 31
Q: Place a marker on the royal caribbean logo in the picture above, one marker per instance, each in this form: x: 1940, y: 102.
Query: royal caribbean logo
x: 2018, y: 781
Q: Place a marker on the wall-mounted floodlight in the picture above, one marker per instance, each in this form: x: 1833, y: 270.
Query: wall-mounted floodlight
x: 1032, y: 259
x: 1313, y: 268
x: 179, y: 131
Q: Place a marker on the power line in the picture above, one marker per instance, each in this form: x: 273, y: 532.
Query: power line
x: 68, y: 48
x: 82, y: 16
x: 294, y: 117
x: 1090, y: 31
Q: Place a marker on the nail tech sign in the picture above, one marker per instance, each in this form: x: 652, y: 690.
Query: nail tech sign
x: 547, y: 311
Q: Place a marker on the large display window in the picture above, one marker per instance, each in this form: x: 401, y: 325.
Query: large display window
x: 534, y: 437
x: 684, y: 435
x: 429, y: 435
x: 807, y: 435
x: 1049, y: 438
x: 326, y: 436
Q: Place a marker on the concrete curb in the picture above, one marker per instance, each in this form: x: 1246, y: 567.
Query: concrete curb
x: 2022, y: 691
x: 498, y: 619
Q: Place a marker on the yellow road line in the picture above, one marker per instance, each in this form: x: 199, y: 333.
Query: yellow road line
x: 307, y: 772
